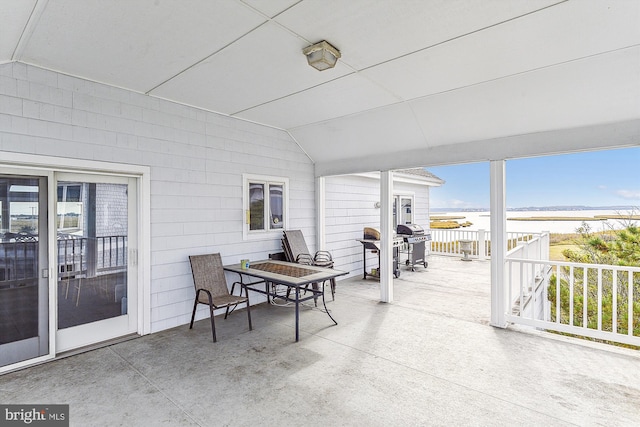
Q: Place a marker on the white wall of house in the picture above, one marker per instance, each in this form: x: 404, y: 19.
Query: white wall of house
x: 351, y: 206
x: 196, y: 159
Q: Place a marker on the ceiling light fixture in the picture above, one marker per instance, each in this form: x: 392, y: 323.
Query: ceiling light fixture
x: 321, y: 55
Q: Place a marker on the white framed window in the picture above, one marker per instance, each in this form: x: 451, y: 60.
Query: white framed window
x: 265, y: 204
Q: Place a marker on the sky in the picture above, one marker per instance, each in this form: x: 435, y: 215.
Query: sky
x: 599, y: 178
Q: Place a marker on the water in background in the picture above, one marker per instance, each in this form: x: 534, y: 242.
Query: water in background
x: 481, y: 220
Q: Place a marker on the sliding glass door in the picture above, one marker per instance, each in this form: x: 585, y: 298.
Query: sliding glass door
x: 68, y: 262
x: 24, y: 290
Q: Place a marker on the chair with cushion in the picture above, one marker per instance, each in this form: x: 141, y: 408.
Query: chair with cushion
x: 211, y: 288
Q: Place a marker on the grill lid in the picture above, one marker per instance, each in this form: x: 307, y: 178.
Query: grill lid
x: 371, y: 233
x: 410, y: 229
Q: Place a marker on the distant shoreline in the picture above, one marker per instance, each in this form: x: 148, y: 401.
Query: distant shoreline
x: 574, y: 218
x: 545, y: 218
x: 555, y: 218
x: 535, y: 221
x: 543, y: 208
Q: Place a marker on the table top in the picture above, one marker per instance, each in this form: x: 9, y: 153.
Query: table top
x: 286, y: 273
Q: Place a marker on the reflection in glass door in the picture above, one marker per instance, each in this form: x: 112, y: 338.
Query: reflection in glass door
x: 93, y: 221
x: 24, y: 296
x: 402, y: 210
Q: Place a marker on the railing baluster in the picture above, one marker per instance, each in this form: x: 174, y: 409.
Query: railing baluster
x: 614, y: 302
x: 585, y: 288
x: 510, y: 286
x: 532, y: 281
x: 599, y: 270
x: 558, y: 295
x: 521, y: 289
x: 630, y: 305
x: 571, y: 289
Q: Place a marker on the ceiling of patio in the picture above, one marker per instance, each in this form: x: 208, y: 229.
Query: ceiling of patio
x: 414, y: 75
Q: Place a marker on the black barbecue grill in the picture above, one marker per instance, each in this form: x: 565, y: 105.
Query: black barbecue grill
x: 415, y: 238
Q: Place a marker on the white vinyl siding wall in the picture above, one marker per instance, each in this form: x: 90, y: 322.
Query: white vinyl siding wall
x: 196, y: 158
x: 350, y: 206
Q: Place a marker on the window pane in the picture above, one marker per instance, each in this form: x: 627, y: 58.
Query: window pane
x: 276, y: 206
x: 395, y: 213
x: 69, y: 193
x: 256, y: 206
x: 93, y: 254
x: 406, y: 210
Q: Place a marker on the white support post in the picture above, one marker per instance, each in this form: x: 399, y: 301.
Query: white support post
x: 321, y: 238
x: 482, y: 245
x: 498, y: 243
x: 386, y: 236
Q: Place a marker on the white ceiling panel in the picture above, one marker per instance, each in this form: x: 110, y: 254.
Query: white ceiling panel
x: 553, y: 36
x: 383, y: 130
x: 271, y: 8
x: 415, y: 75
x: 265, y: 65
x: 371, y: 32
x: 134, y: 44
x: 602, y: 89
x: 341, y: 97
x: 15, y: 14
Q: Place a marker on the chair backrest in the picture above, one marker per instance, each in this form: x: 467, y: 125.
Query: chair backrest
x: 296, y: 244
x: 305, y: 259
x: 208, y: 274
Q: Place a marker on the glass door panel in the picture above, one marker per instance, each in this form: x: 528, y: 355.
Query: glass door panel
x: 24, y: 295
x: 95, y: 217
x: 402, y: 210
x: 406, y: 210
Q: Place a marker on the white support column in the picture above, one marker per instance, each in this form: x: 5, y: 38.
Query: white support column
x: 321, y: 238
x: 499, y: 301
x: 386, y: 236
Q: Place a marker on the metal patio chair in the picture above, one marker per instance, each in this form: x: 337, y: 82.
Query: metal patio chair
x: 211, y: 288
x: 296, y: 250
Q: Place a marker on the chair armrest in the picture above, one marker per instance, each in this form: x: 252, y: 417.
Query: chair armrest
x: 206, y: 292
x: 242, y: 286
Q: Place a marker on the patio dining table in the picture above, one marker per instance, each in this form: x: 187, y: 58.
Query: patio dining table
x: 297, y: 277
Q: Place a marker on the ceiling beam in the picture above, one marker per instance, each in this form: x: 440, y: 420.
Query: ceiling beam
x: 561, y: 141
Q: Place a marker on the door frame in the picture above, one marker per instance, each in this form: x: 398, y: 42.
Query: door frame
x: 47, y: 166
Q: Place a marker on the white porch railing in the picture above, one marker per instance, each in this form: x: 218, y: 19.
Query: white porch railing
x: 552, y: 295
x: 447, y: 242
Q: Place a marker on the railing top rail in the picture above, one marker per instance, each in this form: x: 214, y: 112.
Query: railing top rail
x: 486, y: 231
x: 575, y: 264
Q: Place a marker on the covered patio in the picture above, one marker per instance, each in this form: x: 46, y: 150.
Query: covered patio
x: 428, y: 358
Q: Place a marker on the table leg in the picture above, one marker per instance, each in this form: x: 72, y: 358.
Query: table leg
x: 297, y: 310
x: 325, y: 306
x: 364, y: 261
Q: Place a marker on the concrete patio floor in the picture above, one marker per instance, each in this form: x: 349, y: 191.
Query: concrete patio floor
x: 428, y: 358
